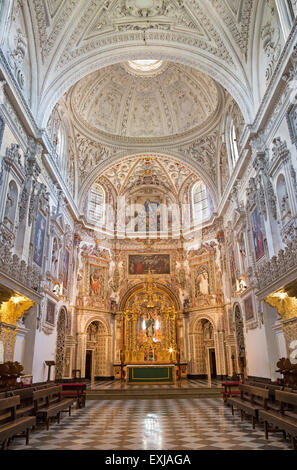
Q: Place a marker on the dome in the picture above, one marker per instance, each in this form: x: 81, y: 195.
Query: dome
x: 144, y: 100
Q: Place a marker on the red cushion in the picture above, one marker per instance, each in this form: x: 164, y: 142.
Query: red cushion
x: 73, y: 384
x: 230, y: 384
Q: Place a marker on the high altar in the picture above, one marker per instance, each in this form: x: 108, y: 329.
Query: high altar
x: 150, y: 349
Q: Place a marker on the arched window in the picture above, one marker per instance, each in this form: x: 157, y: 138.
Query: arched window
x: 233, y: 144
x: 96, y: 204
x: 60, y: 144
x: 201, y: 203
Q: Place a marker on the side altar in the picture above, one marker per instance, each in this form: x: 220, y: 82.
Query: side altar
x: 150, y: 351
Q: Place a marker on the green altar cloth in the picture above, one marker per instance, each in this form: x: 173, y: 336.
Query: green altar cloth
x: 142, y: 374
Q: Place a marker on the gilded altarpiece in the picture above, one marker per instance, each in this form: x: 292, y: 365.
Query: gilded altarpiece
x: 10, y: 313
x: 149, y: 327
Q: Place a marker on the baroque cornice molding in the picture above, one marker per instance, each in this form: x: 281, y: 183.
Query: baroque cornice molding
x: 275, y: 82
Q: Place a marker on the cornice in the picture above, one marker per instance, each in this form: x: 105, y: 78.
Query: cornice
x: 275, y: 85
x: 20, y: 101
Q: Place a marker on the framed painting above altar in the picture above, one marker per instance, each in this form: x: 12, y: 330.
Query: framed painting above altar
x: 143, y: 264
x: 97, y: 285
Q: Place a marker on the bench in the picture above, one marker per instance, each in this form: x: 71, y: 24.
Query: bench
x: 247, y: 402
x: 77, y: 391
x: 285, y: 418
x: 229, y: 391
x: 48, y: 403
x: 10, y: 424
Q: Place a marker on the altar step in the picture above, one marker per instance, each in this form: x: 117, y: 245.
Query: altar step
x: 149, y: 393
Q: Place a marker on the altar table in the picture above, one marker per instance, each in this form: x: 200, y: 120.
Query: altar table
x: 150, y: 373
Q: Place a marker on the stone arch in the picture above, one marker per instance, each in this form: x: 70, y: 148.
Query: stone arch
x: 238, y: 321
x: 199, y: 317
x: 60, y: 344
x: 98, y: 343
x: 200, y: 345
x: 97, y: 318
x: 239, y: 335
x: 216, y: 69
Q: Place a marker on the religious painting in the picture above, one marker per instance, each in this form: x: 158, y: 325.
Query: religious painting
x: 143, y: 264
x: 258, y: 238
x: 248, y: 309
x: 50, y: 312
x: 232, y: 266
x: 97, y: 281
x: 66, y: 268
x: 38, y: 240
x: 202, y: 281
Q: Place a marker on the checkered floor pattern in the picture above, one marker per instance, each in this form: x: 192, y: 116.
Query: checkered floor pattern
x: 185, y: 383
x: 165, y: 424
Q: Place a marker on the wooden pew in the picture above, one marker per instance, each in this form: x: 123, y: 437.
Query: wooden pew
x: 229, y: 390
x: 284, y: 419
x: 77, y: 391
x: 10, y: 424
x: 247, y: 404
x: 48, y: 403
x: 26, y: 406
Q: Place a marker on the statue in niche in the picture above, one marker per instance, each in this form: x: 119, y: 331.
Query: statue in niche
x: 285, y: 208
x: 8, y: 207
x: 207, y: 331
x: 92, y: 332
x: 149, y: 326
x: 202, y: 282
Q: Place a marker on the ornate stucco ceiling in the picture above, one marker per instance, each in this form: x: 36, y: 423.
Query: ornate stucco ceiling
x: 73, y: 38
x: 115, y: 100
x: 148, y: 170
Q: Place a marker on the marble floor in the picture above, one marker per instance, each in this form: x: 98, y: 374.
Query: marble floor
x: 184, y: 383
x: 164, y: 424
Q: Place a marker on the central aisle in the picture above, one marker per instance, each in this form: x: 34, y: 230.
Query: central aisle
x: 166, y: 424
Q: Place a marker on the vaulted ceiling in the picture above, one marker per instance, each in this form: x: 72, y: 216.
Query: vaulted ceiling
x: 73, y: 38
x: 148, y: 170
x: 74, y: 57
x: 120, y: 101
